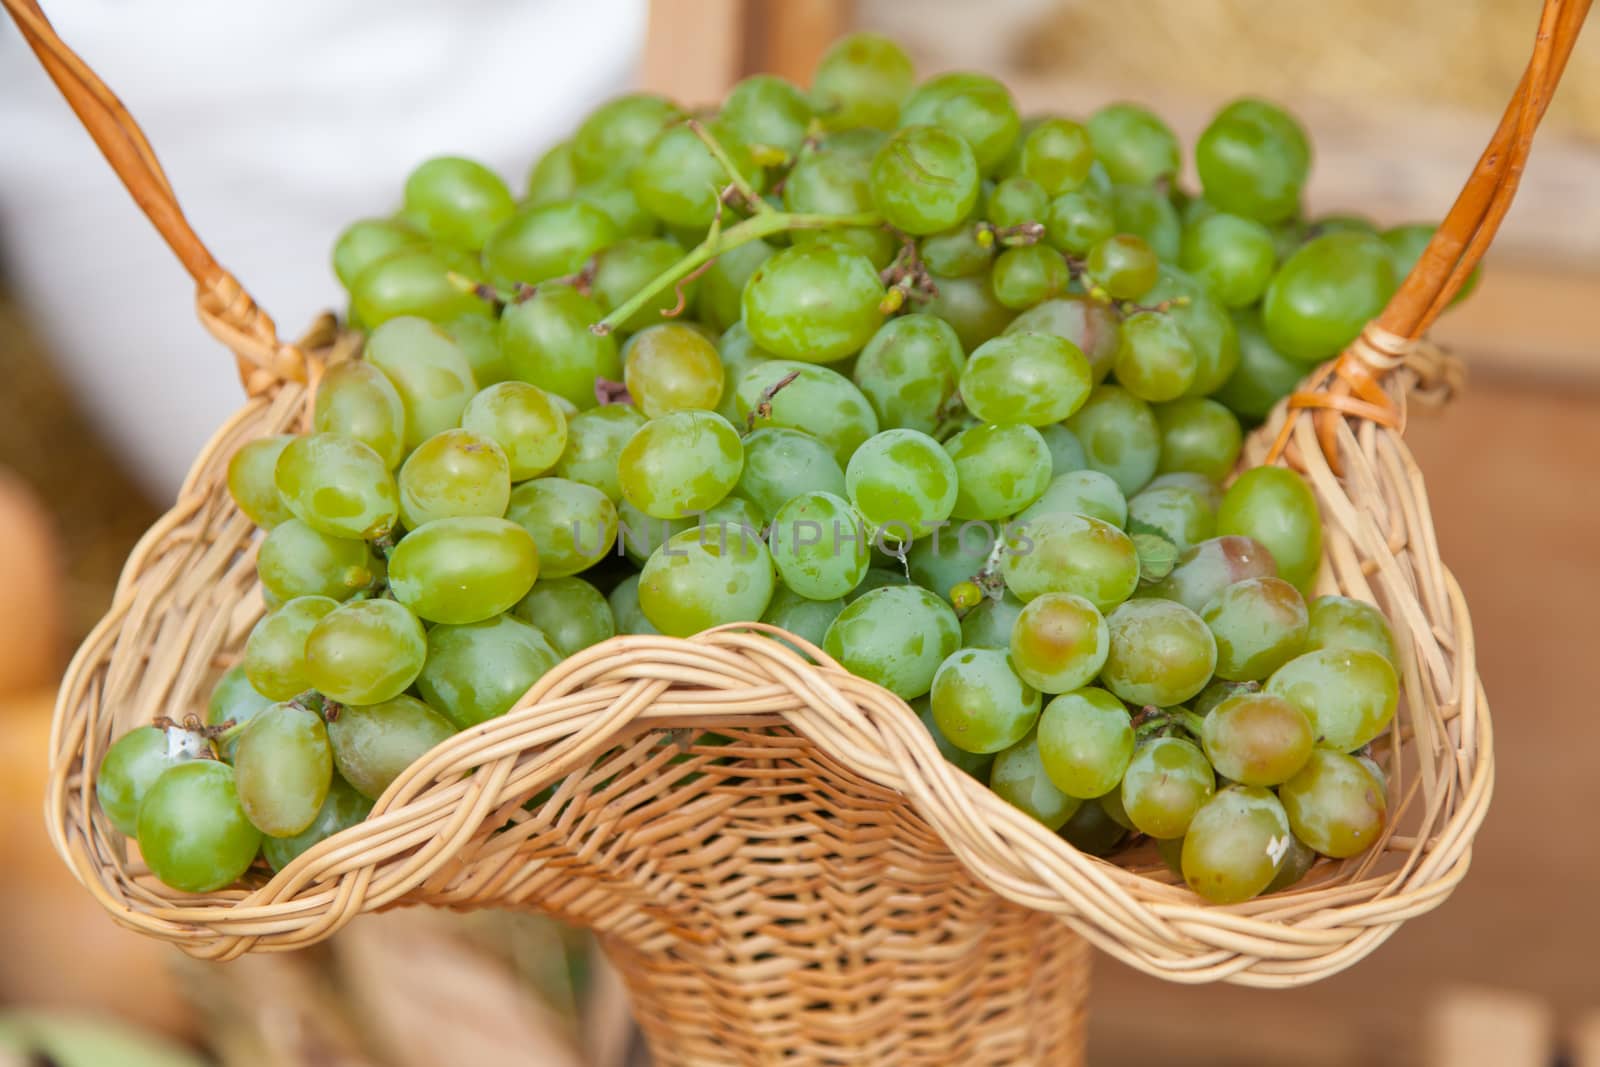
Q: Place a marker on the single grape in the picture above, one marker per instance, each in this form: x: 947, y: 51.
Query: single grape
x: 337, y: 486
x: 570, y: 612
x: 1066, y: 451
x: 1071, y: 554
x: 1120, y: 436
x: 706, y: 577
x: 1335, y: 805
x: 1296, y: 864
x: 463, y: 570
x: 1161, y: 653
x: 1028, y: 275
x: 523, y: 421
x: 1322, y: 296
x: 624, y: 601
x: 1179, y: 513
x: 861, y: 80
x: 679, y: 180
x: 1092, y: 831
x: 275, y: 652
x: 1133, y: 144
x: 613, y: 195
x: 364, y: 653
x: 819, y: 546
x: 594, y: 440
x: 553, y: 176
x: 1020, y: 777
x: 1199, y: 435
x: 374, y: 744
x: 1111, y: 804
x: 1205, y: 322
x: 475, y: 672
x: 680, y: 464
x: 1094, y: 327
x: 976, y: 764
x: 896, y: 636
x: 1235, y: 844
x: 969, y: 306
x: 1253, y: 160
x: 949, y: 556
x: 1123, y: 267
x: 342, y: 809
x: 1001, y: 468
x: 781, y: 464
x: 539, y: 244
x: 1058, y: 644
x: 1155, y: 361
x: 574, y: 525
x: 1146, y: 213
x: 1257, y: 739
x: 1259, y: 624
x: 1209, y: 567
x: 132, y: 765
x: 547, y: 342
x: 479, y: 340
x: 251, y: 483
x: 672, y: 367
x: 368, y: 241
x: 192, y: 832
x: 615, y: 133
x: 1340, y: 622
x: 1274, y: 506
x: 296, y: 560
x: 414, y: 282
x: 989, y: 625
x: 1234, y: 257
x: 827, y: 182
x: 452, y: 474
x: 457, y: 202
x: 1033, y: 378
x: 957, y: 252
x: 282, y: 768
x: 356, y: 400
x: 812, y: 399
x: 800, y: 615
x: 813, y: 303
x: 428, y: 370
x: 1080, y: 492
x: 1057, y: 154
x: 974, y: 107
x: 1015, y: 202
x: 1167, y: 782
x: 720, y: 295
x: 980, y: 704
x: 1078, y: 221
x: 1349, y: 694
x: 770, y: 114
x: 910, y: 372
x: 902, y: 483
x: 1085, y: 742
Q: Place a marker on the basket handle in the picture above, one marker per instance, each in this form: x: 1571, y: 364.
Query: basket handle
x: 1353, y: 385
x: 224, y: 307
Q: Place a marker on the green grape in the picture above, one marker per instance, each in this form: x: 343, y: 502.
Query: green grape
x: 1001, y: 468
x: 1253, y: 160
x: 1235, y: 844
x: 547, y: 341
x: 979, y: 703
x: 1123, y: 267
x: 1066, y: 451
x: 1204, y: 487
x: 412, y: 282
x: 624, y: 601
x: 554, y: 176
x: 1211, y: 566
x: 1334, y: 805
x: 1033, y: 378
x: 1325, y: 293
x: 475, y: 672
x: 768, y: 113
x: 1259, y: 624
x: 902, y: 483
x: 1349, y: 694
x: 814, y: 303
x: 974, y: 107
x: 1148, y: 214
x: 463, y: 570
x: 976, y: 764
x: 479, y: 340
x: 1264, y: 375
x: 719, y: 300
x: 1079, y: 220
x: 812, y: 399
x: 639, y: 535
x: 1111, y: 804
x: 1071, y: 554
x: 428, y: 370
x: 1406, y: 244
x: 1217, y: 691
x: 706, y: 577
x: 368, y: 241
x: 451, y: 474
x: 969, y: 306
x: 1057, y: 153
x: 337, y: 486
x: 1058, y: 643
x: 827, y: 182
x: 1296, y: 864
x: 624, y: 268
x: 1016, y: 201
x: 949, y: 556
x: 989, y: 625
x: 1167, y: 782
x: 1020, y: 777
x: 374, y: 744
x: 282, y: 768
x: 192, y: 832
x: 819, y: 546
x: 574, y: 525
x: 1340, y: 622
x: 1155, y: 361
x: 924, y: 179
x: 1092, y: 831
x: 1135, y: 146
x: 275, y: 653
x: 956, y: 252
x: 356, y: 400
x: 133, y: 764
x: 457, y: 202
x: 1095, y: 328
x: 672, y: 367
x: 1198, y: 435
x: 1025, y: 276
x: 1080, y: 492
x: 781, y: 464
x: 1204, y: 322
x: 678, y: 179
x: 234, y: 700
x: 862, y: 142
x: 1257, y: 739
x: 1180, y: 514
x: 613, y: 195
x: 910, y: 372
x: 861, y: 80
x: 1161, y: 653
x: 594, y: 440
x: 1231, y: 256
x: 895, y: 636
x: 522, y: 420
x: 296, y: 560
x: 251, y: 482
x: 738, y: 354
x: 342, y: 809
x: 1274, y: 506
x: 800, y: 615
x: 570, y: 612
x: 616, y: 132
x: 364, y: 652
x: 1085, y: 742
x: 540, y: 243
x: 680, y: 464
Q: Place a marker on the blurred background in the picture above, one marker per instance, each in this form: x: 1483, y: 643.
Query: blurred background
x: 278, y: 125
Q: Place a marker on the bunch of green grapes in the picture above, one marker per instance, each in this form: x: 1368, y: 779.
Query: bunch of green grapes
x: 953, y: 394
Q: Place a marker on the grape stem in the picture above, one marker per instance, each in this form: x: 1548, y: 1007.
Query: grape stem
x: 740, y: 182
x: 763, y: 406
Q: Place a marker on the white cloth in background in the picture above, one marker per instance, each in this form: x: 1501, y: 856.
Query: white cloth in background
x: 277, y: 125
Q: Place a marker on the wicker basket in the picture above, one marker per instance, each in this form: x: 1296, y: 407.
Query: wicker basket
x: 821, y: 887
